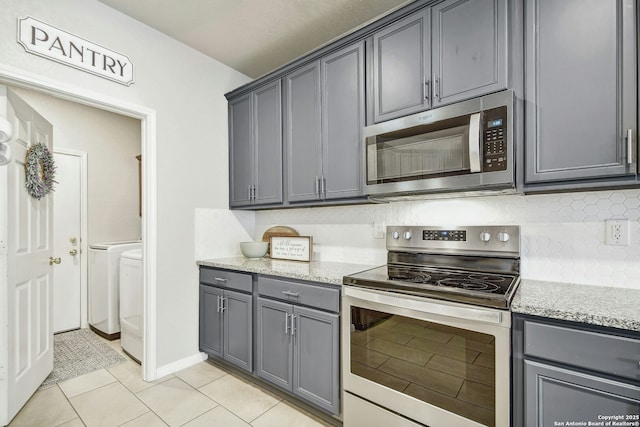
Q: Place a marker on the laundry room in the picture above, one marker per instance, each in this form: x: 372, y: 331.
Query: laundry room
x: 97, y: 205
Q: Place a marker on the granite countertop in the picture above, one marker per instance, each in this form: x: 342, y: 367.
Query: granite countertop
x: 596, y: 305
x: 314, y: 271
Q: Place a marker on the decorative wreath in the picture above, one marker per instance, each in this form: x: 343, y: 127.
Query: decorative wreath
x: 40, y: 170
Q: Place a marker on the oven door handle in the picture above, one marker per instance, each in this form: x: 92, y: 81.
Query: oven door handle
x: 441, y: 308
x: 474, y: 142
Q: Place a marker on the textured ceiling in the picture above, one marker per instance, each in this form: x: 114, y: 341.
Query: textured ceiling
x: 254, y: 36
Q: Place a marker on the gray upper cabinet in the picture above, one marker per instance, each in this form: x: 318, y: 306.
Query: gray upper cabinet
x: 468, y: 49
x: 302, y: 133
x: 256, y: 147
x: 324, y: 116
x: 401, y: 67
x: 580, y: 92
x: 453, y: 51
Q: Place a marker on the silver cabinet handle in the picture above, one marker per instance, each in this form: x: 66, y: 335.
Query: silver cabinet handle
x: 222, y: 307
x: 474, y: 143
x: 318, y: 185
x: 249, y: 192
x: 293, y: 328
x: 219, y: 279
x: 253, y: 193
x: 291, y: 294
x: 218, y: 302
x: 323, y: 186
x: 630, y: 146
x: 427, y: 93
x: 286, y: 323
x: 436, y: 89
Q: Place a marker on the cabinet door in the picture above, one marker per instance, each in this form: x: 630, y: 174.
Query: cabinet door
x: 342, y: 122
x: 237, y: 329
x: 580, y: 89
x: 267, y: 118
x: 210, y: 320
x: 401, y: 67
x: 240, y: 151
x: 316, y: 357
x: 274, y: 341
x: 302, y: 133
x: 555, y: 395
x: 468, y: 49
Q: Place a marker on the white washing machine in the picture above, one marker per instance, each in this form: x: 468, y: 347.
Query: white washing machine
x: 131, y: 300
x: 104, y: 286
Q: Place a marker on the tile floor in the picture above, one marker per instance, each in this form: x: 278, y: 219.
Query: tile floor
x: 202, y: 395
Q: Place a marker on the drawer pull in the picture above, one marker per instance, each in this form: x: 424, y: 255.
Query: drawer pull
x: 219, y: 279
x: 291, y: 294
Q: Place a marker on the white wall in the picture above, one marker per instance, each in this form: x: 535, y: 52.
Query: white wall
x: 186, y: 89
x: 112, y: 142
x: 562, y: 234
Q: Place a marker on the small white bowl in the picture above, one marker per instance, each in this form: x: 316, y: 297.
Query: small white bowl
x: 254, y: 249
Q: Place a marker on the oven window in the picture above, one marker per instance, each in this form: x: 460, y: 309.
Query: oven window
x: 444, y: 366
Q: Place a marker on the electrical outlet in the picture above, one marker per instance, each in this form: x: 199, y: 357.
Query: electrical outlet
x: 378, y: 230
x: 616, y: 232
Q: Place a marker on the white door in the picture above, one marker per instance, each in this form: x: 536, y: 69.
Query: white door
x: 26, y: 345
x: 67, y: 212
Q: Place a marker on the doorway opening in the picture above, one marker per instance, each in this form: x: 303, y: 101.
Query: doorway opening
x: 147, y: 119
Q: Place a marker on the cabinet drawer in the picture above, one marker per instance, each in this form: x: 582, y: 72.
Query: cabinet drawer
x: 590, y: 350
x: 226, y: 279
x: 300, y: 293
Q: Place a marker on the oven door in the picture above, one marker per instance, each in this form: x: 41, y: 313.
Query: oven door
x: 434, y: 362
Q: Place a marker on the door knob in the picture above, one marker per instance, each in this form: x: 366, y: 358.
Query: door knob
x: 73, y: 240
x: 73, y: 252
x: 53, y: 260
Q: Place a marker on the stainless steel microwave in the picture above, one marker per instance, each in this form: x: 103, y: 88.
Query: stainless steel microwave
x: 467, y: 146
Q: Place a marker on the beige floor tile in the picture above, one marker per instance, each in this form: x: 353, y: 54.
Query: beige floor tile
x: 110, y: 405
x: 243, y: 399
x: 129, y: 374
x: 283, y: 415
x: 200, y: 374
x: 77, y: 422
x: 217, y: 417
x: 175, y: 401
x: 86, y: 382
x: 147, y: 420
x: 48, y: 407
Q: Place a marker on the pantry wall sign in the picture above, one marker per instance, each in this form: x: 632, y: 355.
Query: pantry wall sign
x: 52, y: 43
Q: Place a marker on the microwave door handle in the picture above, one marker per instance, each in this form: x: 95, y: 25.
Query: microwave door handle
x: 474, y: 142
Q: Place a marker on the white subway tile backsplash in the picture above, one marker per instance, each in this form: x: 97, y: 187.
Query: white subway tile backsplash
x: 562, y: 234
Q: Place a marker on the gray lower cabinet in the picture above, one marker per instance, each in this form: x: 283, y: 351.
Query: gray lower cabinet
x: 565, y: 372
x: 255, y: 147
x: 324, y: 115
x: 226, y: 317
x: 298, y: 348
x: 452, y: 51
x: 580, y: 93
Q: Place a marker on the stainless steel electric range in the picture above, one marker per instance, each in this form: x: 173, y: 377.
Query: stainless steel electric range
x: 426, y: 337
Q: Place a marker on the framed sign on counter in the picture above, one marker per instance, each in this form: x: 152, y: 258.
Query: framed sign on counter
x: 298, y: 248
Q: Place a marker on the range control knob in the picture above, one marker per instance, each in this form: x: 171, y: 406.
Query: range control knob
x: 503, y: 236
x: 407, y: 235
x: 485, y: 236
x: 395, y: 235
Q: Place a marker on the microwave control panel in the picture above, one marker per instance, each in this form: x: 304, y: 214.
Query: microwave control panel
x: 494, y: 140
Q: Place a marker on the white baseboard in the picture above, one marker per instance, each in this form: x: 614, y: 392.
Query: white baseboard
x: 179, y: 365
